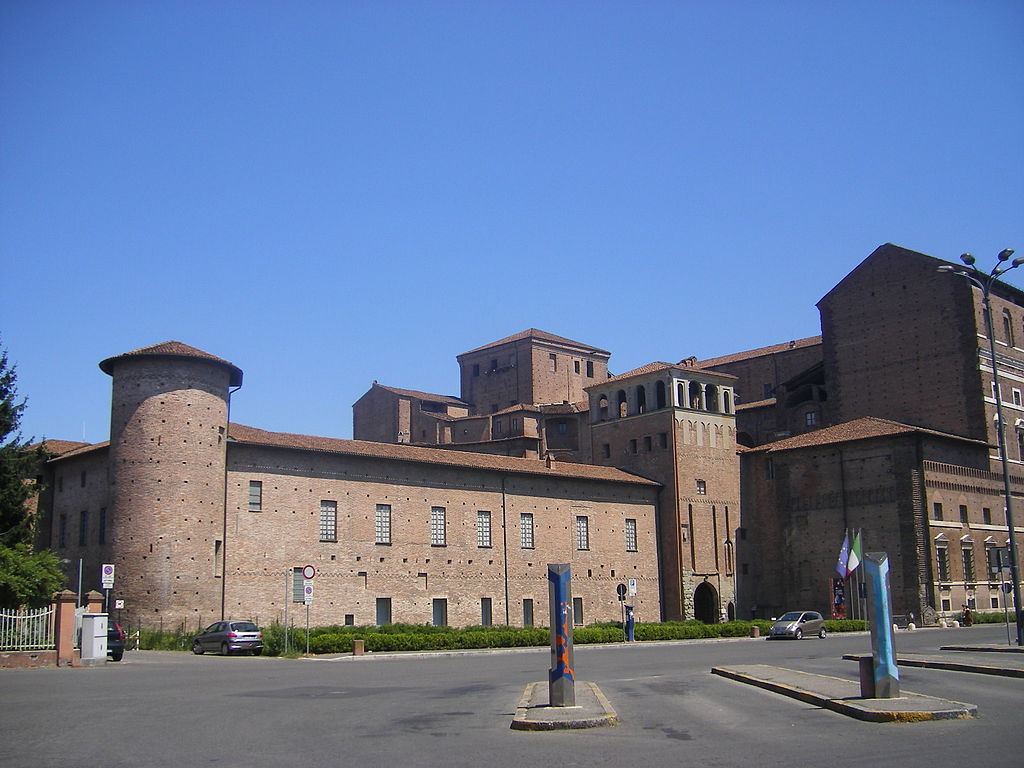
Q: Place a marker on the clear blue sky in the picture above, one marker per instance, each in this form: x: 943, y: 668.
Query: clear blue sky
x: 328, y: 193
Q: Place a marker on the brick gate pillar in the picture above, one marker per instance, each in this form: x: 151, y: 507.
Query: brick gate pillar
x: 64, y: 627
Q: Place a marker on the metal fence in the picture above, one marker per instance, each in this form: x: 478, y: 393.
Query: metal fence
x: 28, y: 629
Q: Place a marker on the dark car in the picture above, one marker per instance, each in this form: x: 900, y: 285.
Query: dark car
x: 115, y: 640
x: 797, y: 624
x: 229, y: 636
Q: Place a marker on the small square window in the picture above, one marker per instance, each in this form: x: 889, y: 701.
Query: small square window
x: 606, y: 450
x: 702, y: 488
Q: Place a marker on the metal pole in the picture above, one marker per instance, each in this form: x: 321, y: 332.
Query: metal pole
x: 79, y: 603
x: 287, y: 599
x: 984, y: 283
x: 1001, y: 430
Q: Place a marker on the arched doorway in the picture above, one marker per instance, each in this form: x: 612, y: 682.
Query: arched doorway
x: 705, y: 603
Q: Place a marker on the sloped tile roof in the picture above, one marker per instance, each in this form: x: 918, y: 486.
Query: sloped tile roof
x: 533, y: 333
x: 450, y: 399
x: 240, y: 433
x: 650, y: 368
x: 173, y: 349
x: 736, y: 357
x: 859, y: 429
x: 82, y: 448
x: 60, y: 447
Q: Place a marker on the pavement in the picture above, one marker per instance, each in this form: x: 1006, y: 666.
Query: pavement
x: 843, y: 696
x: 592, y: 709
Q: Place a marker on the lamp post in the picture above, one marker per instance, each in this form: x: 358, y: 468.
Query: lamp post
x: 984, y: 282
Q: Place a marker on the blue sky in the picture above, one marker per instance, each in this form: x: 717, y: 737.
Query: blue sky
x: 329, y: 193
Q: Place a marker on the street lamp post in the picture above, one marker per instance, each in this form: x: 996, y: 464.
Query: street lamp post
x: 984, y: 282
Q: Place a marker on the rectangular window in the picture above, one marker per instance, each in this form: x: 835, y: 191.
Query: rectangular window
x: 576, y: 366
x: 62, y: 531
x: 1016, y: 397
x: 553, y: 358
x: 298, y: 586
x: 810, y: 418
x: 995, y: 602
x: 485, y: 611
x: 937, y: 510
x: 103, y: 526
x: 582, y: 532
x: 986, y: 516
x: 382, y: 524
x: 632, y: 446
x: 702, y: 488
x: 483, y: 528
x: 438, y: 537
x: 630, y: 535
x: 946, y: 604
x: 963, y: 514
x: 83, y: 479
x: 476, y: 369
x: 663, y: 439
x: 942, y: 563
x: 440, y: 611
x: 590, y: 369
x: 647, y: 443
x: 383, y: 611
x: 255, y: 496
x: 769, y: 469
x: 606, y: 450
x: 563, y: 428
x: 526, y: 530
x: 967, y: 553
x: 527, y: 611
x: 577, y: 611
x: 497, y: 426
x: 328, y: 520
x: 218, y: 558
x: 83, y: 528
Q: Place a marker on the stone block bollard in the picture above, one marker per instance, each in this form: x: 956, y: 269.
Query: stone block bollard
x: 358, y: 647
x: 755, y: 631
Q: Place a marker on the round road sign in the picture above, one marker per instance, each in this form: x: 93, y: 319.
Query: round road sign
x: 308, y: 572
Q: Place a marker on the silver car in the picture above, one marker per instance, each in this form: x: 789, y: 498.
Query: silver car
x: 228, y: 636
x: 797, y: 624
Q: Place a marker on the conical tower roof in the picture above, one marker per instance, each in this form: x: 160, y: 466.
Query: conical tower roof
x: 174, y: 349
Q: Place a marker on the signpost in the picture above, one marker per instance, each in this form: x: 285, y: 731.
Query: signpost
x: 308, y: 572
x: 107, y: 580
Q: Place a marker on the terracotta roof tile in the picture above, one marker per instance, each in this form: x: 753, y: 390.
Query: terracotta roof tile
x: 650, y: 368
x: 242, y: 434
x: 760, y: 352
x: 533, y: 333
x: 450, y: 399
x: 859, y: 429
x: 173, y: 349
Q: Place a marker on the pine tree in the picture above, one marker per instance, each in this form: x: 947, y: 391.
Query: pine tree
x: 27, y: 577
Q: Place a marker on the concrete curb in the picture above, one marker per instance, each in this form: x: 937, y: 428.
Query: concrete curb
x: 592, y: 710
x: 952, y: 666
x: 908, y: 708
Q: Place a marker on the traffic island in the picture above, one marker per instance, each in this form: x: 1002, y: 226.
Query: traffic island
x: 591, y: 710
x: 843, y: 696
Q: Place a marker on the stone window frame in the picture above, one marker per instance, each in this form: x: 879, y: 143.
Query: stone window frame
x: 382, y: 525
x: 438, y: 527
x: 328, y: 520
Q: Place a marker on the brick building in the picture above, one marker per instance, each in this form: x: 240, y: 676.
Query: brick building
x: 204, y: 518
x: 889, y: 427
x: 535, y: 394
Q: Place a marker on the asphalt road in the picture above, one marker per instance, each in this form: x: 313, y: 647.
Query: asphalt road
x: 175, y: 709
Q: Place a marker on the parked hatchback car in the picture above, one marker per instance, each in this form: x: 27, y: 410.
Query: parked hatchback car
x: 229, y: 636
x: 115, y: 640
x: 798, y: 624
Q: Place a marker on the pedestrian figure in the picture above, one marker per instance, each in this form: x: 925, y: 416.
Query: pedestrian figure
x: 968, y: 619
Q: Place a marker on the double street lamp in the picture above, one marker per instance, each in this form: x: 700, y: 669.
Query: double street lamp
x: 984, y: 282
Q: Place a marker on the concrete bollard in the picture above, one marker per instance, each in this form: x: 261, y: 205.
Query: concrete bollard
x: 358, y: 647
x: 911, y: 627
x: 755, y: 631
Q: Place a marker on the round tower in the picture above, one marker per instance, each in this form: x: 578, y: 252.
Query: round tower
x: 168, y: 443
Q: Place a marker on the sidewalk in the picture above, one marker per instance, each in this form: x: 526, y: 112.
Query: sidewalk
x: 980, y: 659
x: 843, y: 696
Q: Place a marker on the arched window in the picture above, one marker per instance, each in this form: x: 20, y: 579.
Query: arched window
x: 623, y: 407
x: 602, y: 407
x: 659, y: 394
x: 680, y: 395
x: 696, y: 396
x: 641, y: 399
x: 711, y: 398
x: 1008, y: 327
x: 727, y: 400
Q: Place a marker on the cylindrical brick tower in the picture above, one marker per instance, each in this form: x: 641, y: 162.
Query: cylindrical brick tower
x: 168, y: 443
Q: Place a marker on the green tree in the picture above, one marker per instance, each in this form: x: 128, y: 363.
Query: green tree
x: 27, y: 577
